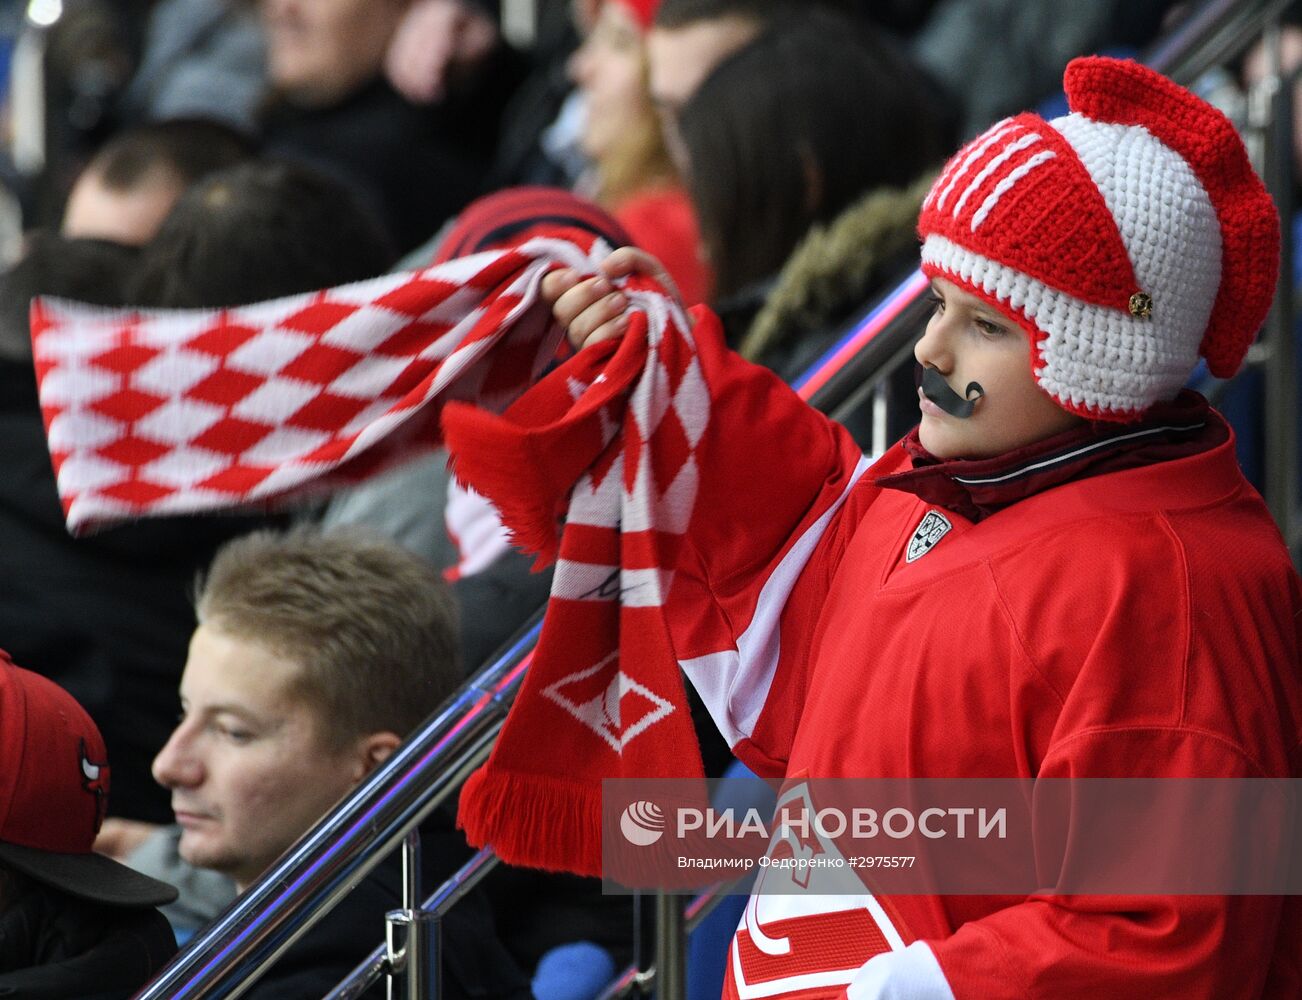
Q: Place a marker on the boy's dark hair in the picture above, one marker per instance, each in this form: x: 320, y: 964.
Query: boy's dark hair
x: 259, y: 231
x: 792, y: 129
x: 373, y: 627
x: 190, y: 148
x: 94, y: 271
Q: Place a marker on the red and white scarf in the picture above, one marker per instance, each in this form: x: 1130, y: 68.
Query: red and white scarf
x: 165, y: 412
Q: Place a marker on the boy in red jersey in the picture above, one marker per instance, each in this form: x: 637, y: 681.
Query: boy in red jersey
x: 1060, y: 573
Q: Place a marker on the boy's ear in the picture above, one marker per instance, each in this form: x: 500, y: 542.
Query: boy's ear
x: 373, y: 750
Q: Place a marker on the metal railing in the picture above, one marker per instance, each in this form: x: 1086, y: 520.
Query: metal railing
x: 1270, y: 119
x: 224, y: 959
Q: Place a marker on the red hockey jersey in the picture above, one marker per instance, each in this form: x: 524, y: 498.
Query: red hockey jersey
x: 1139, y: 623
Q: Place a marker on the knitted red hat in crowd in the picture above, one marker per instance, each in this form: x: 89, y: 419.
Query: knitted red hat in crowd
x: 54, y: 782
x: 514, y: 214
x: 1127, y: 238
x: 643, y: 11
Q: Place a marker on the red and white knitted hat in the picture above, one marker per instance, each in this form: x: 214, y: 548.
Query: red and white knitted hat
x: 1127, y: 238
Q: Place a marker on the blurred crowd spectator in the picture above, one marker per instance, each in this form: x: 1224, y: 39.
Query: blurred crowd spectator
x: 130, y: 185
x: 788, y: 133
x: 633, y: 175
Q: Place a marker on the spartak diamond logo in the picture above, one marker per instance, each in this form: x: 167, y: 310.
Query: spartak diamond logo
x: 609, y: 702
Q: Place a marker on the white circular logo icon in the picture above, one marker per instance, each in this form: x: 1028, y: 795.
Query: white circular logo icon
x: 643, y: 823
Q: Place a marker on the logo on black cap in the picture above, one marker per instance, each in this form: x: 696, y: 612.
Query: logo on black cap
x: 95, y: 779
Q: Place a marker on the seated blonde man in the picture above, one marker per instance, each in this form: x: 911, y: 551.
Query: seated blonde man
x: 314, y: 656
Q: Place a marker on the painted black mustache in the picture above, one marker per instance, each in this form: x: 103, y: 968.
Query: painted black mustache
x: 936, y: 389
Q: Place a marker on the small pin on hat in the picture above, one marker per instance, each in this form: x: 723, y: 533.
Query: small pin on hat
x: 1141, y: 305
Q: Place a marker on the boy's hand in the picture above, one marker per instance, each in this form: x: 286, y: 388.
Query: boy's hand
x: 592, y: 309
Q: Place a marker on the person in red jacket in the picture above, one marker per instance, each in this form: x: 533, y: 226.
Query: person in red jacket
x: 1061, y: 572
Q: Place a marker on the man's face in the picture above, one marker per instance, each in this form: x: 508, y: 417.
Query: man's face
x: 130, y: 217
x: 968, y: 341
x: 248, y: 765
x: 679, y: 61
x: 320, y: 51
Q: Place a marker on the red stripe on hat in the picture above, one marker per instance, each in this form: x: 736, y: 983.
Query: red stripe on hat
x: 1026, y: 201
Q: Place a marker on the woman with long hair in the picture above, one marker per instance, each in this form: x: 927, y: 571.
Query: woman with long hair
x: 809, y: 152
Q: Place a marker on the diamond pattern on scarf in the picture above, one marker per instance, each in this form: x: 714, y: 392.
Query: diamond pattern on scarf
x: 164, y: 412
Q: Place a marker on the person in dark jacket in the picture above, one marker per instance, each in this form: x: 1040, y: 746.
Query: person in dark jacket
x: 72, y: 923
x: 331, y: 107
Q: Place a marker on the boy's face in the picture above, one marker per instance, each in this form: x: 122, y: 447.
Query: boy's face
x: 248, y: 764
x: 967, y: 341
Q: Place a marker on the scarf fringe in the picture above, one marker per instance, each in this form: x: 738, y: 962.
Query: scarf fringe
x: 532, y: 820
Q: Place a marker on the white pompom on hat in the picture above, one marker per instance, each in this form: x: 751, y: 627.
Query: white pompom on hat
x: 1127, y: 238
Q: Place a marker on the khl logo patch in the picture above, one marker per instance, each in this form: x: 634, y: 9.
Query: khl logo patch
x: 933, y: 528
